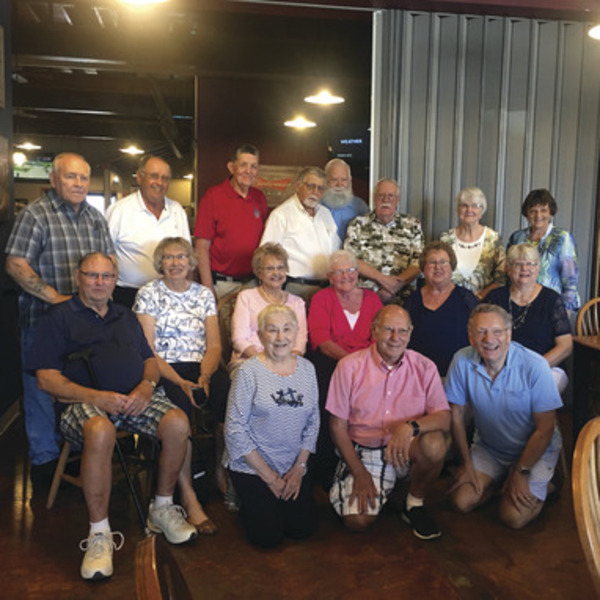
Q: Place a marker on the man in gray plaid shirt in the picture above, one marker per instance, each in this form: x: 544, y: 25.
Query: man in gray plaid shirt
x: 49, y: 237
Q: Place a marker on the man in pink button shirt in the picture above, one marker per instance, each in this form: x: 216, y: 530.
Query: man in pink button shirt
x: 389, y: 418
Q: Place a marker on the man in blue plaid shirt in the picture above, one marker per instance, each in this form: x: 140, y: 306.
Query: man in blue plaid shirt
x: 49, y: 237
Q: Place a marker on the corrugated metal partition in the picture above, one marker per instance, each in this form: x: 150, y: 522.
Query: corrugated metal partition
x: 505, y: 104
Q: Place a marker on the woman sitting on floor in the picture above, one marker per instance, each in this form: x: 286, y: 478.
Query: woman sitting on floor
x: 540, y: 319
x: 179, y: 319
x: 270, y: 265
x: 440, y: 309
x: 271, y: 428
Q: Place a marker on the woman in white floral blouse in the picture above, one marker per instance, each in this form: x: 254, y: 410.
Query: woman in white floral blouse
x: 478, y: 248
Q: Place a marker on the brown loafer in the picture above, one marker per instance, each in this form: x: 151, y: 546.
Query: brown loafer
x: 207, y: 527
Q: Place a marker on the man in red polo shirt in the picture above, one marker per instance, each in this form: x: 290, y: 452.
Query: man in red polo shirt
x: 229, y: 224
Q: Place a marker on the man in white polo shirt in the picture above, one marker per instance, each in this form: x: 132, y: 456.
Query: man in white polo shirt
x: 138, y: 222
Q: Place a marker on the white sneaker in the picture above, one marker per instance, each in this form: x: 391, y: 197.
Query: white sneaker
x: 97, y: 561
x: 170, y: 520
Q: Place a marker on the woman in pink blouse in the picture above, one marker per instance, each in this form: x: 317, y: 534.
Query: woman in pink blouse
x: 339, y: 322
x: 270, y: 265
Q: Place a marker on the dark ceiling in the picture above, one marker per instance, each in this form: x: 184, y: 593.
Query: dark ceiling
x: 93, y: 75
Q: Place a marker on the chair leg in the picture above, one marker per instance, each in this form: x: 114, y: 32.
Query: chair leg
x: 58, y: 474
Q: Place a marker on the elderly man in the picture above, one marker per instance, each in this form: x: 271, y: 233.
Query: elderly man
x: 388, y: 418
x: 307, y: 231
x: 49, y: 237
x: 231, y: 218
x: 138, y: 222
x: 89, y: 338
x: 339, y: 198
x: 387, y: 244
x: 513, y: 398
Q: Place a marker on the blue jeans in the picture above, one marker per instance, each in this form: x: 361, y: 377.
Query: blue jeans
x: 40, y: 419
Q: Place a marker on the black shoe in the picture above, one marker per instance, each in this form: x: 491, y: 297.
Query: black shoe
x: 423, y: 526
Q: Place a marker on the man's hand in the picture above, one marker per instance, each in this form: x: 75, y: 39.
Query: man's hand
x: 363, y: 491
x: 111, y: 402
x: 516, y: 487
x: 397, y: 451
x: 467, y: 475
x: 139, y: 398
x: 391, y: 283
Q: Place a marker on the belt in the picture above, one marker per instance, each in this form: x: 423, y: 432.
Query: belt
x: 230, y: 278
x: 305, y: 281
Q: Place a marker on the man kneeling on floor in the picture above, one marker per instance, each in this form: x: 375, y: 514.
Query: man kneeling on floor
x: 389, y: 415
x: 89, y: 334
x: 513, y: 398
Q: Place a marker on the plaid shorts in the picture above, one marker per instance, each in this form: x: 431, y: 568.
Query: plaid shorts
x: 384, y: 477
x: 74, y: 417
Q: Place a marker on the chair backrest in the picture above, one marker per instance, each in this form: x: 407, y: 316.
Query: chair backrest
x: 586, y: 495
x: 157, y: 574
x: 588, y: 319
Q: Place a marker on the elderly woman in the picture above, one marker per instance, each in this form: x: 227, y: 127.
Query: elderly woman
x: 540, y: 321
x: 271, y: 428
x: 440, y: 309
x: 478, y: 249
x: 558, y: 254
x: 180, y: 322
x: 270, y: 265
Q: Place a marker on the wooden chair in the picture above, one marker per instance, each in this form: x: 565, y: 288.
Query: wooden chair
x: 586, y: 495
x: 588, y: 319
x: 157, y: 574
x: 66, y: 457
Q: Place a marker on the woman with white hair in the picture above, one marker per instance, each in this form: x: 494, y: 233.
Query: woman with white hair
x: 540, y: 320
x: 479, y: 252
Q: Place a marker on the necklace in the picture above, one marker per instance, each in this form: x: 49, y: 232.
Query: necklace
x: 522, y: 311
x: 465, y: 246
x: 272, y: 299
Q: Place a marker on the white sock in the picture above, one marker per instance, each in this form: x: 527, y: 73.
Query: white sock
x: 100, y: 527
x: 413, y: 501
x: 162, y: 501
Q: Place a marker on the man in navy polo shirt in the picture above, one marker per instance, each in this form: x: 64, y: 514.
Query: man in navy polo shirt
x: 89, y: 332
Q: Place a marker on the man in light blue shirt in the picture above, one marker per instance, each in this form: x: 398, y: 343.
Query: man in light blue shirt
x: 513, y: 398
x: 339, y: 197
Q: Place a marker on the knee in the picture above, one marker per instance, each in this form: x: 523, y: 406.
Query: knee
x: 514, y: 518
x: 432, y: 446
x: 174, y: 426
x: 99, y: 434
x: 463, y: 502
x: 358, y: 523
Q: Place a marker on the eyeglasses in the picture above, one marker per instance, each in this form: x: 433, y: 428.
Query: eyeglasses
x: 311, y: 187
x: 496, y: 332
x: 94, y: 275
x: 437, y: 263
x: 401, y: 331
x: 524, y: 264
x: 157, y: 177
x: 463, y: 206
x: 348, y: 271
x: 181, y: 256
x: 273, y: 268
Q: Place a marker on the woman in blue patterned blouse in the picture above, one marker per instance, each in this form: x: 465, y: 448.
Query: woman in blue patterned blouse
x: 179, y: 318
x: 558, y: 255
x: 271, y: 429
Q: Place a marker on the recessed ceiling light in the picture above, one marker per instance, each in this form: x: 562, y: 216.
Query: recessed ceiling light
x: 19, y: 159
x: 28, y: 146
x: 324, y: 97
x: 300, y: 123
x: 594, y: 32
x: 133, y: 150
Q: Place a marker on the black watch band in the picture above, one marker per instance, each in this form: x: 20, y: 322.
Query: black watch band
x: 416, y: 428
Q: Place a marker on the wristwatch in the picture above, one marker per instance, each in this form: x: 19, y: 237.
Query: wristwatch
x: 523, y: 470
x: 416, y: 428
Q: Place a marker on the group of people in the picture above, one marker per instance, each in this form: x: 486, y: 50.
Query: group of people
x: 368, y: 398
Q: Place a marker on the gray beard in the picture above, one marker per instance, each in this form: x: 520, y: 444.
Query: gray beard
x: 337, y: 199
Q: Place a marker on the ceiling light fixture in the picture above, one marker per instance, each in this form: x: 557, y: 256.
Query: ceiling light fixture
x: 142, y: 3
x: 300, y: 123
x: 28, y: 146
x: 325, y: 98
x: 19, y: 159
x: 189, y: 176
x: 132, y: 150
x: 594, y: 32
